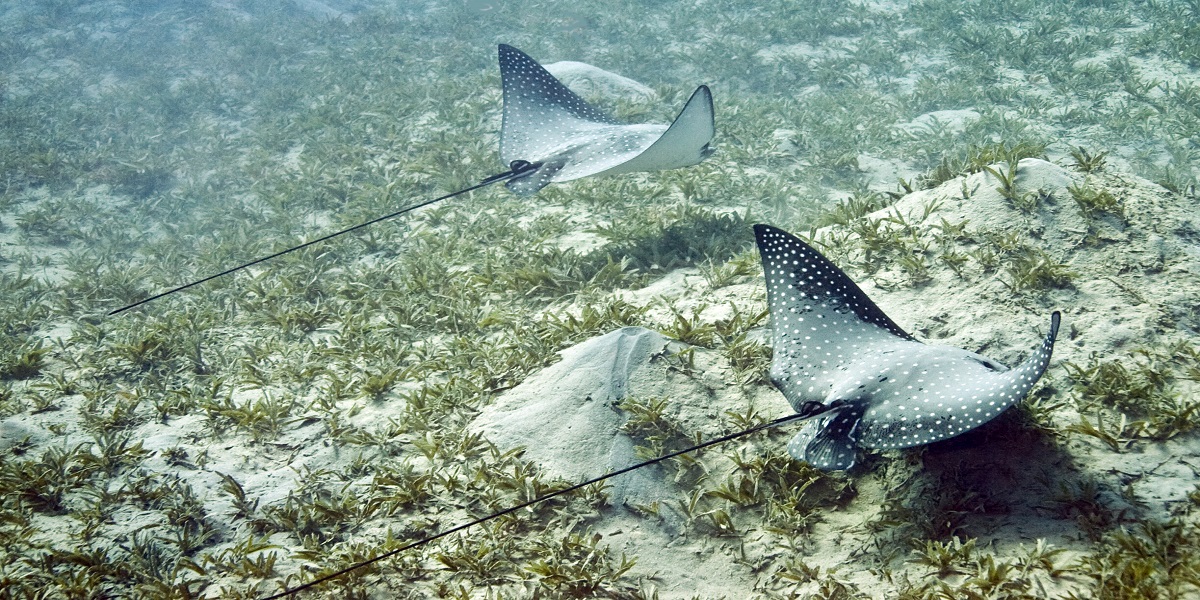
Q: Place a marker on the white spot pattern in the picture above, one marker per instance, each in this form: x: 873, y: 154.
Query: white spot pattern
x: 834, y: 346
x: 544, y: 122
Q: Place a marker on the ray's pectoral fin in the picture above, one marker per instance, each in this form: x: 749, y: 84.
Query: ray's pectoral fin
x: 1014, y: 384
x: 1026, y: 374
x: 686, y: 142
x: 829, y: 442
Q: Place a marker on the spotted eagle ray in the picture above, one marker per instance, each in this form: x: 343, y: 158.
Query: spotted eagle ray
x: 548, y: 125
x: 549, y: 134
x: 869, y: 383
x: 853, y: 376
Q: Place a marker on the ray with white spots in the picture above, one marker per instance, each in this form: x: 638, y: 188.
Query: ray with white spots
x: 550, y: 134
x: 548, y: 125
x: 880, y: 387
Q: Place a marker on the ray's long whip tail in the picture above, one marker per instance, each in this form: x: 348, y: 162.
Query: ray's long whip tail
x: 810, y: 410
x: 517, y: 168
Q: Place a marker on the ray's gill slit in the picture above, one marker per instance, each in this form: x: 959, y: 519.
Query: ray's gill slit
x: 550, y: 134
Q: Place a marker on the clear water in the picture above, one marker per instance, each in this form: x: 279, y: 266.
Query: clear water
x: 145, y: 144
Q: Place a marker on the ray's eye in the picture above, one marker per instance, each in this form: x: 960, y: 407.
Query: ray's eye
x: 522, y: 166
x: 811, y: 407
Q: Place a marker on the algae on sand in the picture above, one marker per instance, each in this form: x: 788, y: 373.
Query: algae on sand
x: 303, y: 416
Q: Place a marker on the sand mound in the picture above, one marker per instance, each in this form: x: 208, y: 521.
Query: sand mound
x: 976, y: 263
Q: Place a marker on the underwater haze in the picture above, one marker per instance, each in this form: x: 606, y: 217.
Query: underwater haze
x: 973, y: 166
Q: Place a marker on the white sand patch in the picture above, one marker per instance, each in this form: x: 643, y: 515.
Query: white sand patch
x: 884, y: 174
x: 939, y: 122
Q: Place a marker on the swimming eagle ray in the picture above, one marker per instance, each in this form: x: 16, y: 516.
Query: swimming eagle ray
x: 549, y: 134
x: 879, y: 388
x: 818, y: 313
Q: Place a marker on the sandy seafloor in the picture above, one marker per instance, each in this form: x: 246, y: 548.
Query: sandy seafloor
x: 251, y: 433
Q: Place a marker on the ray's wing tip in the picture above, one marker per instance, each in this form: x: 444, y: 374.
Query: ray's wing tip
x: 510, y: 54
x: 706, y: 97
x: 769, y: 237
x: 1055, y: 321
x: 697, y: 113
x: 762, y: 230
